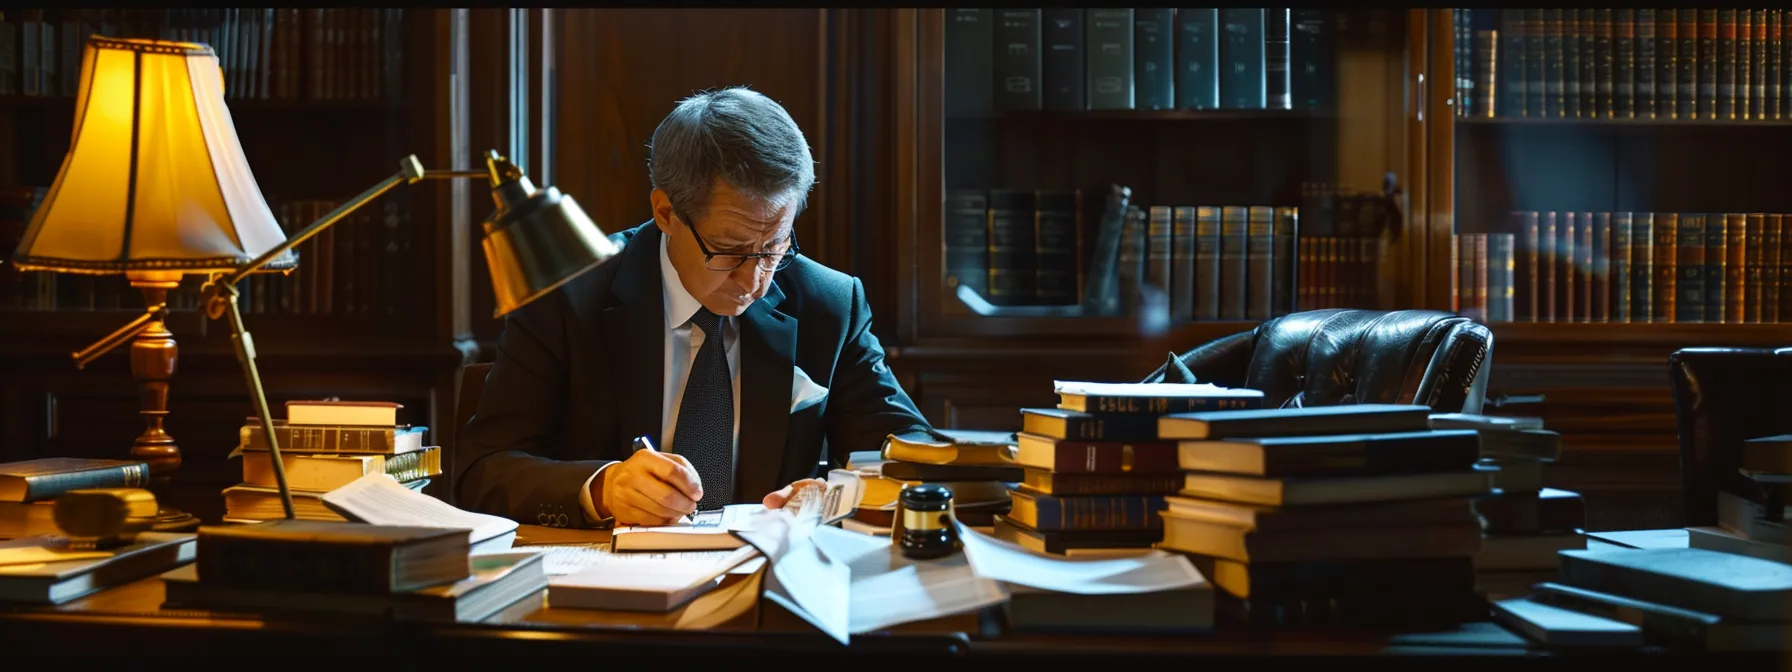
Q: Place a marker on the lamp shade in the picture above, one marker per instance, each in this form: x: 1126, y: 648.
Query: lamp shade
x: 155, y: 179
x: 536, y: 239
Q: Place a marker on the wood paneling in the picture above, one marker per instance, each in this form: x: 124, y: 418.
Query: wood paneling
x: 623, y: 70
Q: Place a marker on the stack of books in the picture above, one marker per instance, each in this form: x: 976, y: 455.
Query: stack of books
x: 1096, y: 471
x: 1743, y: 526
x: 1524, y: 523
x: 354, y: 569
x: 970, y: 462
x: 29, y: 488
x: 325, y: 445
x: 1681, y: 598
x: 1355, y: 515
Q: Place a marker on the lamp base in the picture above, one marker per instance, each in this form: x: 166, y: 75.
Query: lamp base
x: 170, y: 519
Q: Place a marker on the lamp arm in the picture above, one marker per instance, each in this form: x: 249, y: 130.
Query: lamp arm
x: 221, y: 295
x: 123, y: 335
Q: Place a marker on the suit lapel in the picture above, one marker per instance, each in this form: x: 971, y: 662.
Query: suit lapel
x: 635, y: 333
x: 767, y: 365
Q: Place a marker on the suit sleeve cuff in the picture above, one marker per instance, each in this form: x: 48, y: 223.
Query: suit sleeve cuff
x: 589, y: 507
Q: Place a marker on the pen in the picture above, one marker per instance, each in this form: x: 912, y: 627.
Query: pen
x: 644, y: 443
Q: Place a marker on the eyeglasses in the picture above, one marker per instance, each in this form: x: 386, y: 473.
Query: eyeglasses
x: 765, y: 261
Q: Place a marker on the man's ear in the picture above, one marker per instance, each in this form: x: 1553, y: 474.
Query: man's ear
x: 662, y: 210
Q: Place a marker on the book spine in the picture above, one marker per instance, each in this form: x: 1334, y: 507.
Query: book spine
x: 1735, y: 268
x: 1114, y: 457
x: 1752, y: 292
x: 1422, y: 453
x: 1642, y: 266
x: 1165, y: 405
x: 1667, y: 64
x: 1154, y: 57
x: 1771, y: 261
x: 1073, y: 484
x: 1690, y: 267
x: 1107, y: 427
x: 1665, y: 295
x: 261, y: 563
x: 1717, y: 260
x: 1016, y: 62
x: 1686, y: 77
x: 1643, y: 70
x: 1618, y: 278
x: 323, y: 439
x: 1063, y: 58
x: 41, y: 487
x: 1092, y: 513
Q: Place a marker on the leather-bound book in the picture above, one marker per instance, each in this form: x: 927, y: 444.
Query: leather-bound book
x: 337, y: 557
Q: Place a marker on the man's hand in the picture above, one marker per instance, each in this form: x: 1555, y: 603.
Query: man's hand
x: 650, y: 488
x: 778, y: 499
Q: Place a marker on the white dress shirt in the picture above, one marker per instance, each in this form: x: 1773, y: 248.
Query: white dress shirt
x: 680, y: 350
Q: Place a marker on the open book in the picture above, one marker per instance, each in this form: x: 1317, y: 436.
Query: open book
x: 378, y: 499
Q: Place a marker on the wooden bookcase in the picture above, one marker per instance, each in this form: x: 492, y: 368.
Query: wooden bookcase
x: 968, y: 368
x: 1603, y: 385
x: 326, y: 102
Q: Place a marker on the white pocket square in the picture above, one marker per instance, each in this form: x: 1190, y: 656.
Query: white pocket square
x: 804, y: 392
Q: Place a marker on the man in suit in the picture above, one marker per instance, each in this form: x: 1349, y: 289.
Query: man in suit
x: 709, y: 333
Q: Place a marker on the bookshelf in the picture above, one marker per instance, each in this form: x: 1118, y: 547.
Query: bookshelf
x: 1637, y: 203
x: 1014, y: 151
x: 325, y: 102
x: 1397, y: 112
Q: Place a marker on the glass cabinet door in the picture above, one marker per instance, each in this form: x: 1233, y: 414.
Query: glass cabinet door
x: 1623, y: 166
x: 1141, y: 171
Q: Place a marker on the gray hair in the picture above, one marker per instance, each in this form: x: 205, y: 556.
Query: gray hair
x: 739, y: 135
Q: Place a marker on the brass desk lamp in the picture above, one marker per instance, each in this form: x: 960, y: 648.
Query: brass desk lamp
x: 535, y: 241
x: 155, y: 186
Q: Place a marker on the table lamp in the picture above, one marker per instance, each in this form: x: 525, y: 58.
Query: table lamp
x: 535, y: 241
x: 154, y: 186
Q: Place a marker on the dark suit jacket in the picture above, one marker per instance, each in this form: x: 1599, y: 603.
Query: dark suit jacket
x: 579, y: 375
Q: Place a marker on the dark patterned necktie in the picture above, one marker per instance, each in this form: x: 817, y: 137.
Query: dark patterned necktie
x: 705, y: 432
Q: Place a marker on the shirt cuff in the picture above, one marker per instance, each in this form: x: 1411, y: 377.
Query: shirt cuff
x: 589, y: 507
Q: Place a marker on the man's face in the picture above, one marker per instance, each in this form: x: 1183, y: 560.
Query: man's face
x: 734, y: 224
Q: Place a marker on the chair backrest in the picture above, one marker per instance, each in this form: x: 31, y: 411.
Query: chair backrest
x: 1341, y: 356
x: 468, y: 385
x: 1722, y: 397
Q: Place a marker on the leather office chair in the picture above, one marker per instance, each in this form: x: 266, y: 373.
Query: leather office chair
x: 468, y: 385
x: 1722, y: 397
x: 1342, y: 356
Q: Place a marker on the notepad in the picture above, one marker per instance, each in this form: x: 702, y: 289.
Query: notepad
x: 710, y: 531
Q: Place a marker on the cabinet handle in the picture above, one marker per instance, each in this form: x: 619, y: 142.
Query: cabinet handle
x: 1420, y: 106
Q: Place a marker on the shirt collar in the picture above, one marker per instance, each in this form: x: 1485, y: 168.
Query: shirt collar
x: 680, y: 305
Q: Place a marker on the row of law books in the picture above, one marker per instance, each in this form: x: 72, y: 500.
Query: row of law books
x: 361, y: 267
x: 1641, y: 63
x: 1729, y: 268
x: 1146, y: 58
x: 282, y: 54
x: 325, y: 445
x: 1231, y: 262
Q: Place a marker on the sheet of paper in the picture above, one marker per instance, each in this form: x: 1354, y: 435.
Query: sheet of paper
x: 1150, y: 389
x: 888, y: 589
x: 995, y: 559
x: 378, y: 499
x: 662, y: 574
x: 802, y: 579
x: 20, y: 553
x: 563, y: 560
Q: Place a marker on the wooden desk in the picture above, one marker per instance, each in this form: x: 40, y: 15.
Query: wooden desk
x: 129, y: 620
